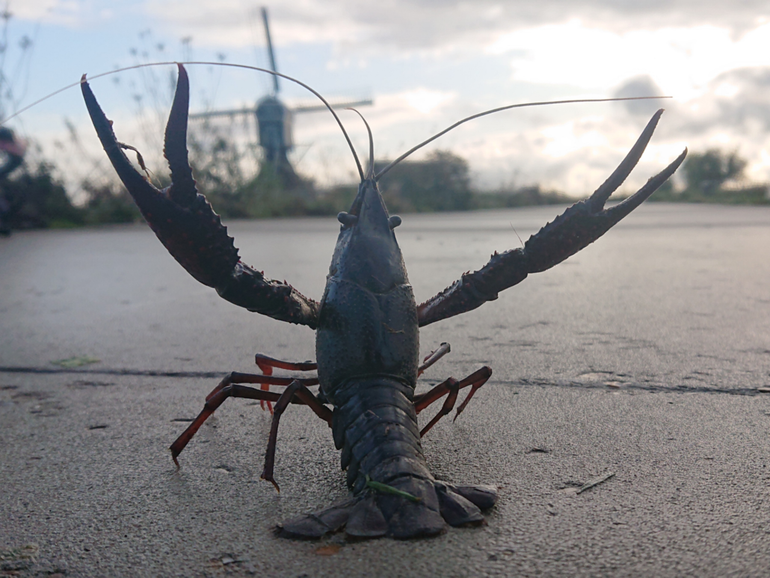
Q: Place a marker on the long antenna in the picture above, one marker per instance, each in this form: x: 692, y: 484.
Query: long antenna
x: 270, y: 52
x: 326, y: 103
x: 370, y: 170
x: 498, y: 109
x: 209, y: 63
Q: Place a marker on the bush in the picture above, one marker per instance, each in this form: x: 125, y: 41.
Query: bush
x: 708, y: 172
x: 37, y: 200
x: 109, y: 204
x: 439, y: 183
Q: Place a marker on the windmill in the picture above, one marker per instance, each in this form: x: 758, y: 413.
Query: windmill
x: 274, y: 123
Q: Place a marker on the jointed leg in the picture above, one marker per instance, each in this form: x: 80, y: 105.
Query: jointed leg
x: 236, y: 377
x: 230, y: 387
x: 433, y: 357
x: 266, y: 364
x: 295, y: 393
x: 452, y: 387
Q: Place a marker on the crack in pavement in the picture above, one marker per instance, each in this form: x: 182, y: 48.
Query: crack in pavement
x: 613, y: 384
x: 108, y: 371
x: 637, y: 386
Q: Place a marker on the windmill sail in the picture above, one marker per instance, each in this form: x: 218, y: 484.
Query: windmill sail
x: 275, y: 123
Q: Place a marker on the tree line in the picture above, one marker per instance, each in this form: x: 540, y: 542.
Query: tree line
x: 441, y: 182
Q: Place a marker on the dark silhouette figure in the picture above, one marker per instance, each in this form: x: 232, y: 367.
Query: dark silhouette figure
x: 13, y: 150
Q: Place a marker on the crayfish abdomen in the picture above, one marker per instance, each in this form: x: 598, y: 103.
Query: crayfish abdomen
x: 394, y: 493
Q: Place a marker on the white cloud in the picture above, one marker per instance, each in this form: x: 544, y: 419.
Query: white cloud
x: 34, y: 9
x: 682, y: 60
x: 710, y: 55
x: 425, y: 100
x: 68, y: 13
x: 566, y: 139
x: 435, y: 27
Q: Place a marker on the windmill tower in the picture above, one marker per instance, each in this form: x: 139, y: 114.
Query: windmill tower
x: 274, y: 124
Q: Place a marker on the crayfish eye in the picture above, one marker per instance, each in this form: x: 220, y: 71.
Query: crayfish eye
x: 347, y: 219
x: 394, y: 221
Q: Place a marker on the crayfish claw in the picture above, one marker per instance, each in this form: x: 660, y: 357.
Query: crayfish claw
x: 586, y: 221
x: 620, y: 210
x: 142, y: 191
x: 596, y: 201
x: 573, y: 230
x: 188, y: 227
x: 182, y: 189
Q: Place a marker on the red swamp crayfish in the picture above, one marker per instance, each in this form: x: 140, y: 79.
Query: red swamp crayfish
x: 367, y: 329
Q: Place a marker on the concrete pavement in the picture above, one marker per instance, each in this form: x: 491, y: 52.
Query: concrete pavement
x: 644, y: 357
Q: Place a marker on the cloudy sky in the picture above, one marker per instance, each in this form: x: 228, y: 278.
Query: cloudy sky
x: 426, y: 64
